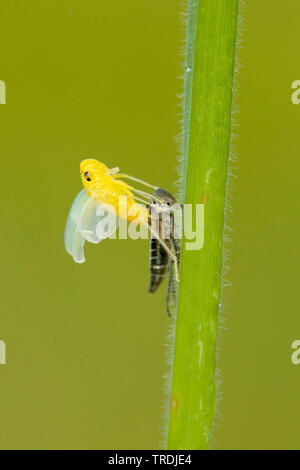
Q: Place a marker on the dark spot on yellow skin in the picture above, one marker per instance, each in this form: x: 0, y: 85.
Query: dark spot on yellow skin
x: 87, y: 176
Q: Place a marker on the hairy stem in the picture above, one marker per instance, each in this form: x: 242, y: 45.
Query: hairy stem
x: 212, y: 30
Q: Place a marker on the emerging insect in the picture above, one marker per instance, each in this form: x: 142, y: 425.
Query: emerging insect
x: 160, y: 261
x: 104, y: 194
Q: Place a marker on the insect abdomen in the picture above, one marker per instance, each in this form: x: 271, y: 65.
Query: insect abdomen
x: 159, y: 261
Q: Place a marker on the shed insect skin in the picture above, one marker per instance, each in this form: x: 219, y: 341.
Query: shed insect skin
x: 160, y: 261
x: 104, y: 186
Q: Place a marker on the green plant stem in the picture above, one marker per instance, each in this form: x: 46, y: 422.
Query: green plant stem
x: 212, y: 31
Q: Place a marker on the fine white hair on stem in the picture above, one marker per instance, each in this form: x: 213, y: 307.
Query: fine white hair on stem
x: 228, y: 231
x: 186, y: 141
x: 170, y: 325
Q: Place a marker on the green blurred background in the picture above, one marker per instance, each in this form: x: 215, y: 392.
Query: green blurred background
x: 86, y: 343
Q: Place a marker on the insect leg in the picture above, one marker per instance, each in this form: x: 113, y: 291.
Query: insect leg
x: 170, y: 288
x: 168, y: 250
x: 147, y: 195
x: 142, y: 200
x: 113, y: 171
x: 119, y: 175
x: 176, y: 246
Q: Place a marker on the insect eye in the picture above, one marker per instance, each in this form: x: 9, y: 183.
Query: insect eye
x: 87, y: 176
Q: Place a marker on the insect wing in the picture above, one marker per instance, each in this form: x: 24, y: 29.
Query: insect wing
x: 98, y: 221
x: 88, y: 220
x: 74, y: 241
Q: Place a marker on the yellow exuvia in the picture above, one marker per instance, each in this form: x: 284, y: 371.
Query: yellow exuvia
x: 96, y: 210
x: 104, y: 195
x: 105, y: 186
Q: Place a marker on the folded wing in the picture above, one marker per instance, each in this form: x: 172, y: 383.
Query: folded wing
x: 88, y: 220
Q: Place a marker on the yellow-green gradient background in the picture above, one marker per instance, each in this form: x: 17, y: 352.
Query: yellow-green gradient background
x: 85, y: 343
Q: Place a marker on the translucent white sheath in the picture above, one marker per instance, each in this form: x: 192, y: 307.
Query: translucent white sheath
x: 88, y: 220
